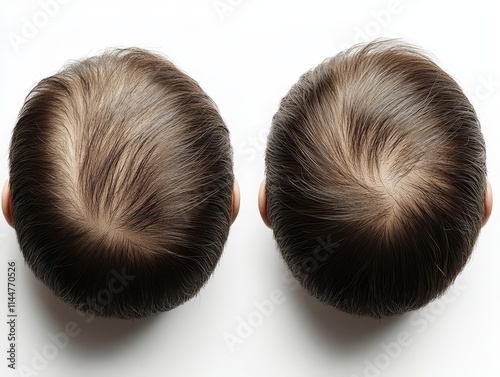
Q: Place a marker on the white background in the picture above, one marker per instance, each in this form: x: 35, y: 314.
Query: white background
x: 246, y: 56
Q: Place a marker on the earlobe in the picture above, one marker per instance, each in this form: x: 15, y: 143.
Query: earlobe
x: 488, y: 203
x: 263, y: 204
x: 6, y: 204
x: 235, y: 201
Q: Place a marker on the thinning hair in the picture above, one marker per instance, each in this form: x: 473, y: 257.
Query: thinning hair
x: 121, y: 180
x: 376, y: 179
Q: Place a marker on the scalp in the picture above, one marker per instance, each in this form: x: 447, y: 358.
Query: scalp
x: 378, y: 149
x: 132, y: 165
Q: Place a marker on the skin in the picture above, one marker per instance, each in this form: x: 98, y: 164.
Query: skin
x: 263, y: 204
x: 488, y: 204
x: 236, y: 201
x: 7, y: 206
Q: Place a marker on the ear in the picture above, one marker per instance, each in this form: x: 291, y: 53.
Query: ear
x: 488, y: 203
x: 235, y: 202
x: 6, y: 204
x: 263, y: 204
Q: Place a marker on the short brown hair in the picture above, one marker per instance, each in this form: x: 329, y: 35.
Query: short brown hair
x: 121, y: 164
x: 379, y: 151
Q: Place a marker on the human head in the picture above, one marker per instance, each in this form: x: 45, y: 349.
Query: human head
x: 376, y: 185
x: 122, y: 184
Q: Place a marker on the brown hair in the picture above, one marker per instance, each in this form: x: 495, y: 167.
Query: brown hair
x: 378, y: 151
x: 121, y: 180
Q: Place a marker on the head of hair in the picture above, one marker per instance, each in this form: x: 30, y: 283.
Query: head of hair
x: 376, y: 179
x: 121, y: 181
